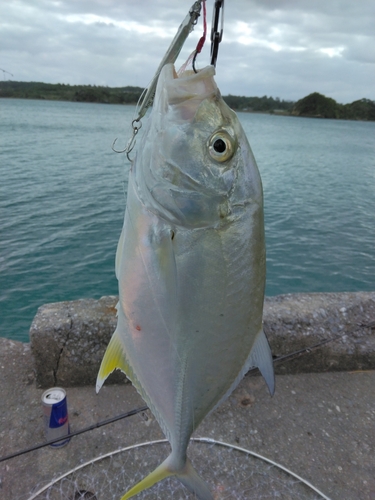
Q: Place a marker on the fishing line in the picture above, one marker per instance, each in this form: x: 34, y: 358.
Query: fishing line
x: 191, y: 59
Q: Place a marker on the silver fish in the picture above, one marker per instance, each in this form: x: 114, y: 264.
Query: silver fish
x: 191, y: 266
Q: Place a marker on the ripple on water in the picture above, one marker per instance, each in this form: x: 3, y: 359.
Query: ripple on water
x: 62, y: 203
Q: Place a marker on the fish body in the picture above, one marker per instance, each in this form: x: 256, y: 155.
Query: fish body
x: 190, y: 265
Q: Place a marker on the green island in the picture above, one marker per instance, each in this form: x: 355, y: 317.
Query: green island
x: 314, y: 105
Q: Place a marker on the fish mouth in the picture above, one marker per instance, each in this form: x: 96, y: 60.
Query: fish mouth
x: 184, y: 92
x: 175, y: 178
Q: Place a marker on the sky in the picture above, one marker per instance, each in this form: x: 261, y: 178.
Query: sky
x: 278, y: 48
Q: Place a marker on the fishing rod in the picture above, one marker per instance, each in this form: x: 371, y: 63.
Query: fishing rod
x: 279, y: 359
x: 75, y: 433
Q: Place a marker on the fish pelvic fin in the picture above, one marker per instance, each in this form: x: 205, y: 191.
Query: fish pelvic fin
x: 114, y: 358
x: 187, y: 475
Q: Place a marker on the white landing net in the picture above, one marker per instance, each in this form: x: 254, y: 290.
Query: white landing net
x: 231, y: 472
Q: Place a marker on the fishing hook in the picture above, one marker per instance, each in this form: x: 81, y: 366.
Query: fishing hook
x: 216, y: 36
x: 202, y: 38
x: 136, y: 125
x: 170, y: 56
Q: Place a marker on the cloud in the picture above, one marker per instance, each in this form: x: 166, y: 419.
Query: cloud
x: 284, y: 48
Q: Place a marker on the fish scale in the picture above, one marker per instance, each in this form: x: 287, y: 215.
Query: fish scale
x: 191, y: 267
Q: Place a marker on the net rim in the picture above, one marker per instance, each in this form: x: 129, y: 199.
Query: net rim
x: 163, y: 441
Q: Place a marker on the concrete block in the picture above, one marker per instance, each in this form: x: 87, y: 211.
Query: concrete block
x: 68, y: 339
x: 346, y: 321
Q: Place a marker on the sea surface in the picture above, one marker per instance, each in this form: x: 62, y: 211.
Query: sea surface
x: 63, y: 192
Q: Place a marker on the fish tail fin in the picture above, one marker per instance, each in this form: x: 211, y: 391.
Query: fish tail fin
x: 190, y: 478
x: 114, y: 357
x: 187, y: 475
x: 161, y: 472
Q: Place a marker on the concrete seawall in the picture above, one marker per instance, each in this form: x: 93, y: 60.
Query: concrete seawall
x: 318, y: 425
x: 68, y: 339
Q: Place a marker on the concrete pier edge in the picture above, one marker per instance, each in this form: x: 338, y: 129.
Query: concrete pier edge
x: 320, y: 425
x: 68, y: 339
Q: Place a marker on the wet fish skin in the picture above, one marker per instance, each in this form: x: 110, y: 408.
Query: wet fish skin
x: 190, y: 265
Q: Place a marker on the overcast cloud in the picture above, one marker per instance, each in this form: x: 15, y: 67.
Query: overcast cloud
x: 279, y: 48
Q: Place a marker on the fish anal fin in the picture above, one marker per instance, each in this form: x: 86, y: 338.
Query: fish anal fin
x: 114, y: 358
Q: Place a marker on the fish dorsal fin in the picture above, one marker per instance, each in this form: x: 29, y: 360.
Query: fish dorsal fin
x: 260, y: 357
x: 114, y: 358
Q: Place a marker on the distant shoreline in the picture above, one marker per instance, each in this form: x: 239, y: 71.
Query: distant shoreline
x: 270, y: 112
x: 314, y: 105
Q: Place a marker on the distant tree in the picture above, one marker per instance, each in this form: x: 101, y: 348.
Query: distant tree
x: 316, y: 105
x: 261, y: 104
x: 363, y: 109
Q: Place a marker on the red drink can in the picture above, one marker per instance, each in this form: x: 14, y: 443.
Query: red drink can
x: 55, y: 409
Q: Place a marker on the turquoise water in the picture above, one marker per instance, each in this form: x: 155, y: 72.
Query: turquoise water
x: 62, y: 200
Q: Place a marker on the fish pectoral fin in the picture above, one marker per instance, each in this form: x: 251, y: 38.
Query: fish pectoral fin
x: 261, y: 357
x: 187, y: 475
x: 114, y: 358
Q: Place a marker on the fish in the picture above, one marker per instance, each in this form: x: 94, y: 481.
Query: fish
x: 191, y: 267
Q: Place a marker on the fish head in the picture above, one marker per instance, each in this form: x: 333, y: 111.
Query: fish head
x: 195, y: 167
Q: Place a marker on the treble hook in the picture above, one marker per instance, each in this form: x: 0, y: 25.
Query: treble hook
x: 216, y: 36
x: 136, y: 125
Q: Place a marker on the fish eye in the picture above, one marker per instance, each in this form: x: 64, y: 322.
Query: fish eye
x: 221, y: 146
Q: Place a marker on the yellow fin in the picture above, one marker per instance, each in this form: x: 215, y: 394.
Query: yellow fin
x: 114, y: 357
x: 157, y: 475
x: 186, y: 474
